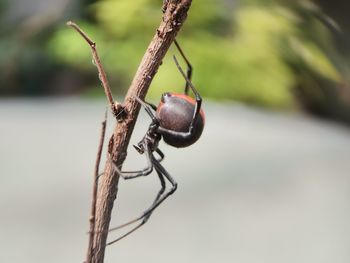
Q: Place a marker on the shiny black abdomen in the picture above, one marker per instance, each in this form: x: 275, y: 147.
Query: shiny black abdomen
x: 175, y: 112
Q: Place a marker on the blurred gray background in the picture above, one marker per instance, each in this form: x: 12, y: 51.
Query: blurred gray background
x: 257, y: 187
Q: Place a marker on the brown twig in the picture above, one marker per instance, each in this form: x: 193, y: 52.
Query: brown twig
x: 175, y: 13
x: 94, y: 191
x: 102, y: 74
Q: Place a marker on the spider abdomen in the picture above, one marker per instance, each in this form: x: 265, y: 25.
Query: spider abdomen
x: 175, y: 113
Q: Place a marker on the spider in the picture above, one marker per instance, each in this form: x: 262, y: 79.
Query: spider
x: 179, y: 120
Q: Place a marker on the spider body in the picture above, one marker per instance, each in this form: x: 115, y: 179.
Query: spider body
x: 175, y: 112
x: 179, y: 120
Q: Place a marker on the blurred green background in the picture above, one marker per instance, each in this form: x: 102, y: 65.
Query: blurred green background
x: 279, y: 54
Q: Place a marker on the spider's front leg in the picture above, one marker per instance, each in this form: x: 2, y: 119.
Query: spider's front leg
x: 148, y: 108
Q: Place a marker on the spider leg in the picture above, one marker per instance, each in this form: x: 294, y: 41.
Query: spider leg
x: 161, y: 155
x: 134, y: 174
x: 196, y: 112
x: 159, y: 199
x: 158, y: 167
x: 148, y: 108
x: 154, y: 107
x: 189, y: 66
x: 99, y: 175
x: 160, y: 192
x: 145, y: 219
x: 125, y: 235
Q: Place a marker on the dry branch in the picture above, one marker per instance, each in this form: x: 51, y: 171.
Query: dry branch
x: 175, y: 13
x: 94, y: 191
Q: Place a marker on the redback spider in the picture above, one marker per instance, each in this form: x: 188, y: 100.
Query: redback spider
x: 179, y: 119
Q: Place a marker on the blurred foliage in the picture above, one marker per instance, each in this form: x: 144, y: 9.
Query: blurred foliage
x: 272, y: 53
x: 240, y: 53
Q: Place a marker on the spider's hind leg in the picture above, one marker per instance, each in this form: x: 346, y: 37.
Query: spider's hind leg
x: 145, y: 216
x: 161, y: 196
